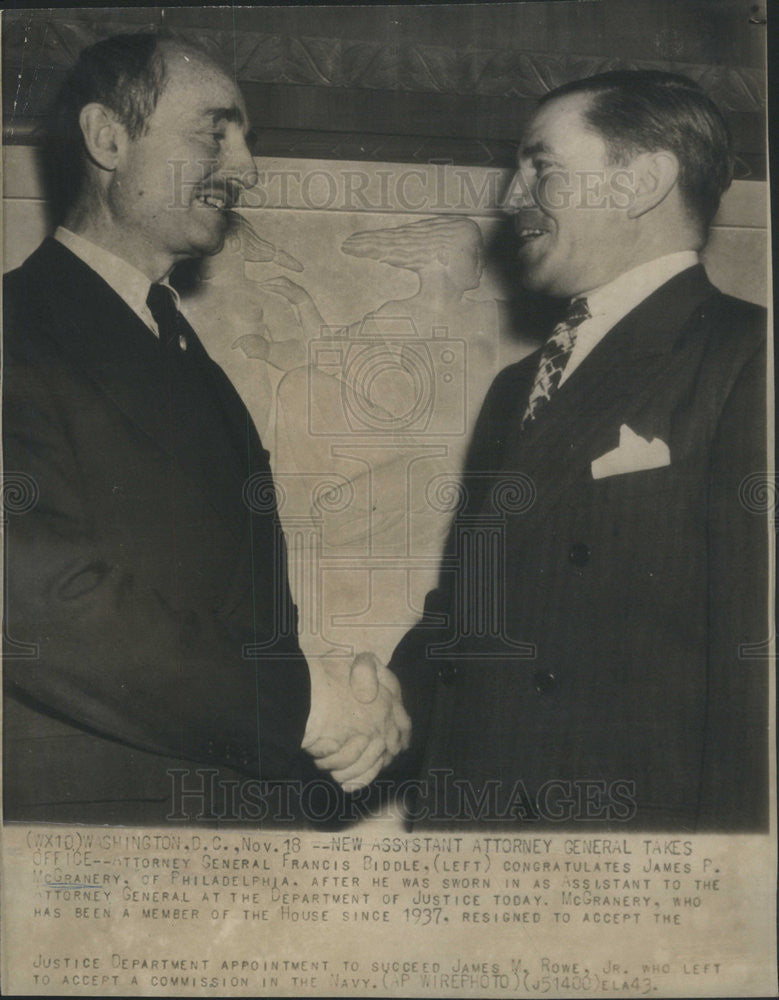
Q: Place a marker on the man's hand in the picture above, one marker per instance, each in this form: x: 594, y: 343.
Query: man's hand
x: 357, y: 722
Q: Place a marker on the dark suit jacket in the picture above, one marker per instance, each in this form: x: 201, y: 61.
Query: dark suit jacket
x: 641, y: 599
x: 139, y: 575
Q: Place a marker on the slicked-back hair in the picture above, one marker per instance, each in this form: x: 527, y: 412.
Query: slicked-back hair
x: 637, y: 111
x: 126, y: 73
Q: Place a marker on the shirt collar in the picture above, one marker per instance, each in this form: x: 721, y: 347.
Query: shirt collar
x: 125, y: 279
x: 617, y: 298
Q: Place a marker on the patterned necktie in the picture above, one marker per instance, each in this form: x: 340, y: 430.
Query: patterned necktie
x: 554, y: 358
x: 162, y: 306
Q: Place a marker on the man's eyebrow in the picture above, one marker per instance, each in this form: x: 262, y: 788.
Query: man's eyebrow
x: 227, y: 114
x: 535, y: 148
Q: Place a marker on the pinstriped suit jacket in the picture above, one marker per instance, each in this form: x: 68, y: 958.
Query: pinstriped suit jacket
x: 614, y: 642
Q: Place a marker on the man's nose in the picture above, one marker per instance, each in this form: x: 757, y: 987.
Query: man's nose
x: 239, y: 162
x: 519, y: 194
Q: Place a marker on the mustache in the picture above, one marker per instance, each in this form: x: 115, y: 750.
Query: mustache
x: 218, y: 187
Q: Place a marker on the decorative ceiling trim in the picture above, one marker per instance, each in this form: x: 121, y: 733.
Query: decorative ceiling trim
x: 346, y: 63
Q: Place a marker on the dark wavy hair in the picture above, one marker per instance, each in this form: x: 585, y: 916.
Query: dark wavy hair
x: 638, y: 111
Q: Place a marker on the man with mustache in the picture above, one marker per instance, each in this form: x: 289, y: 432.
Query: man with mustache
x: 151, y: 638
x: 605, y: 583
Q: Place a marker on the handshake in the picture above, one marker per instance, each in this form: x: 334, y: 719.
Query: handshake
x: 357, y: 723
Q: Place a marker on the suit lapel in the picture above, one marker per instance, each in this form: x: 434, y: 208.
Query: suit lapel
x: 627, y: 378
x: 232, y: 411
x: 95, y: 327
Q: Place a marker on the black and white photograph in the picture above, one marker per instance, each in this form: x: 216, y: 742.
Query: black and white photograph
x: 389, y: 502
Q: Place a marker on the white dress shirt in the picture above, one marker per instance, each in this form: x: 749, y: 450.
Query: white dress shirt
x: 610, y: 303
x: 125, y: 279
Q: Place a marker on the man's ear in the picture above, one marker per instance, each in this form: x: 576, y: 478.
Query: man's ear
x: 104, y: 135
x: 442, y: 256
x: 656, y: 175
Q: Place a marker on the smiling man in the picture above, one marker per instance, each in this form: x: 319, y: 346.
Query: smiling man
x: 151, y: 658
x: 605, y: 584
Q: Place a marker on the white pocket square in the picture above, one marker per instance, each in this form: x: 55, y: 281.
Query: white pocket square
x: 634, y: 454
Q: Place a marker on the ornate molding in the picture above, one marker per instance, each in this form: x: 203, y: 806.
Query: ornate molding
x: 34, y: 43
x: 334, y: 85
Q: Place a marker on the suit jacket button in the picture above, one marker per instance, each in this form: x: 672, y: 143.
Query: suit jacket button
x: 447, y: 673
x: 544, y: 682
x: 579, y: 554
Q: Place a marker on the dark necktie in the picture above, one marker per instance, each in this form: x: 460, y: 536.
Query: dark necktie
x: 162, y: 306
x: 554, y: 358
